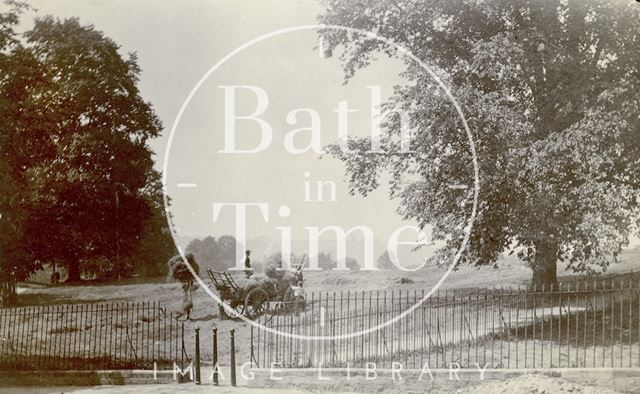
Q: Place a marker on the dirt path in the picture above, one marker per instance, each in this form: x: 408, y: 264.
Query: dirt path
x: 145, y: 389
x: 538, y: 384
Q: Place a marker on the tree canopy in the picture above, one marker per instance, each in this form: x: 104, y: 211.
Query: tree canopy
x: 77, y: 173
x: 550, y: 90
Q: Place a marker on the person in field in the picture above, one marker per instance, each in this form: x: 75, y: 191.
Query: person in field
x: 187, y: 301
x: 179, y: 271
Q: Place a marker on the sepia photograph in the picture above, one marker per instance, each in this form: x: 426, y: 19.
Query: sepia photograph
x: 319, y: 196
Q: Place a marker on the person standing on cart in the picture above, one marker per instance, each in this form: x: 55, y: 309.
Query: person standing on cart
x: 248, y: 271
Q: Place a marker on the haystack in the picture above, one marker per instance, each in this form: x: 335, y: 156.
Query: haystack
x: 179, y: 271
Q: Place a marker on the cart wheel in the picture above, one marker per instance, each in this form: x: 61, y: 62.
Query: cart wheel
x: 256, y: 303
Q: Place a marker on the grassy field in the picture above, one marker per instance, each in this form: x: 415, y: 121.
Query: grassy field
x: 205, y: 314
x: 510, y: 272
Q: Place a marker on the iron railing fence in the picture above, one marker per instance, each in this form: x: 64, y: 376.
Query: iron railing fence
x: 90, y: 337
x: 579, y: 324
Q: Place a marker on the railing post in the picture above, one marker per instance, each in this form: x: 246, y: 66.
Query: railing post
x: 182, y: 345
x: 252, y: 356
x: 197, y: 355
x: 233, y: 358
x: 215, y: 356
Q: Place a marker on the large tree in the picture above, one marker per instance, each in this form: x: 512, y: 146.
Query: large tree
x: 74, y: 140
x: 156, y: 243
x: 15, y: 68
x: 551, y: 91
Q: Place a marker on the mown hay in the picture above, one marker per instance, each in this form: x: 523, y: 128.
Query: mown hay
x: 179, y: 271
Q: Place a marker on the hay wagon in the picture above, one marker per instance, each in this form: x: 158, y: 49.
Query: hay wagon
x: 267, y: 296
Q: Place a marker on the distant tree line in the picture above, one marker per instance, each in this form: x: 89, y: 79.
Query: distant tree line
x: 219, y: 254
x: 214, y: 253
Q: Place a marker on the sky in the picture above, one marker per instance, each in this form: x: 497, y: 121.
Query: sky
x: 177, y: 42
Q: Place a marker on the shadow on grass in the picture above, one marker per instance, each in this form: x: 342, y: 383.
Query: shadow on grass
x: 48, y: 299
x: 20, y: 362
x: 610, y: 323
x: 205, y: 317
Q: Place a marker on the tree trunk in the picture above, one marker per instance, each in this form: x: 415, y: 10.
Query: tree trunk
x: 8, y: 293
x: 544, y: 266
x: 73, y: 271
